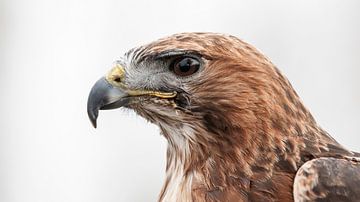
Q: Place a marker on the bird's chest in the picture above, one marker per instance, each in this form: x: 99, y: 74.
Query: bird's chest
x: 234, y: 188
x: 177, y: 187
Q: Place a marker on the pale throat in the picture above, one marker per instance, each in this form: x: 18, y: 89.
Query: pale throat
x: 178, y: 180
x: 180, y: 139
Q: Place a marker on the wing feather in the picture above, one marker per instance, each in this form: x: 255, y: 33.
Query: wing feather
x: 328, y: 179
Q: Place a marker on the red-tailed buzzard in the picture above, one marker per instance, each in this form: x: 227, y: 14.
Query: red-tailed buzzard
x: 236, y: 129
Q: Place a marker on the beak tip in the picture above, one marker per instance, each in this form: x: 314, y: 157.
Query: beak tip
x: 93, y: 121
x: 93, y: 113
x: 94, y: 124
x: 93, y: 117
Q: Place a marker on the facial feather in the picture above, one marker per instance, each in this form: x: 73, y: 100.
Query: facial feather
x: 237, y: 130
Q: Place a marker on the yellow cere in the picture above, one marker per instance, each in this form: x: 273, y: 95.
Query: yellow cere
x: 116, y: 73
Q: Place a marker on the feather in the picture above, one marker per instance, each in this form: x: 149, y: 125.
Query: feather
x: 328, y: 179
x: 237, y: 130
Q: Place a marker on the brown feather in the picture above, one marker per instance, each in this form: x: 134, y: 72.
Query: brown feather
x: 251, y: 131
x: 328, y: 179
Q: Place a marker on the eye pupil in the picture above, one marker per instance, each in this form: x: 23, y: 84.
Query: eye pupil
x: 185, y: 66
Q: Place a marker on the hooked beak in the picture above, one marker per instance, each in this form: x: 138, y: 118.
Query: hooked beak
x: 110, y: 93
x: 104, y: 96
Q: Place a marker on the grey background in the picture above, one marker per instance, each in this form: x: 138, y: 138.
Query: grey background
x: 53, y: 51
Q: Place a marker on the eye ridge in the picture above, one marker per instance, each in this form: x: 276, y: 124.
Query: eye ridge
x: 185, y: 66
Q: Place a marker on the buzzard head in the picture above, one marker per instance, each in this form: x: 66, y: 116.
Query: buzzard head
x: 214, y: 97
x: 230, y: 117
x: 209, y: 93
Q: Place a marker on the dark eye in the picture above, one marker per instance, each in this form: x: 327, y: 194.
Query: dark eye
x: 185, y: 66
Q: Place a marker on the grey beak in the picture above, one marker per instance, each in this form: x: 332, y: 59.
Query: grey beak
x: 104, y: 96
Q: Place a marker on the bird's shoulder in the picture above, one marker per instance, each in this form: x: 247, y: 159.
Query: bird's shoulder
x: 328, y: 179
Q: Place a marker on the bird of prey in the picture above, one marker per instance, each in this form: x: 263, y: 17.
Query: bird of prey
x: 236, y: 128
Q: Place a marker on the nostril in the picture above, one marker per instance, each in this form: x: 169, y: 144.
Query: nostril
x: 117, y: 79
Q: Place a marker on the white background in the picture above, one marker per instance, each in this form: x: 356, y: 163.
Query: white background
x: 52, y: 52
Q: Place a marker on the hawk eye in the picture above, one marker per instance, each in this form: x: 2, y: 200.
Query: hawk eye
x: 185, y: 66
